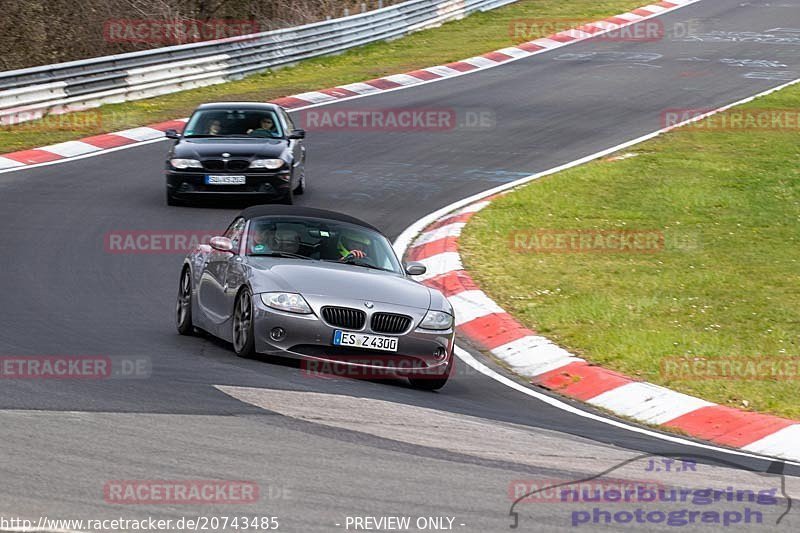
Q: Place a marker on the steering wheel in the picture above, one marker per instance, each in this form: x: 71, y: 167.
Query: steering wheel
x: 352, y: 257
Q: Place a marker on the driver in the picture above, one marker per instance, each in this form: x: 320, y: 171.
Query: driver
x: 352, y: 245
x: 266, y: 128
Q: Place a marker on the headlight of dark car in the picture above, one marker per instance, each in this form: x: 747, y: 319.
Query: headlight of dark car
x: 185, y: 163
x: 270, y: 164
x: 286, y: 301
x: 437, y: 320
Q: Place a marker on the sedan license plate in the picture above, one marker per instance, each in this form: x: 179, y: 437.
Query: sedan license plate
x: 225, y: 179
x: 363, y: 340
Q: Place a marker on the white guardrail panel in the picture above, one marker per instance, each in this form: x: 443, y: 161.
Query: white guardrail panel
x: 31, y: 93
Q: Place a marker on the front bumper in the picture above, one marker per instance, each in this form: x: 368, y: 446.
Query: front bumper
x: 310, y: 338
x: 192, y: 183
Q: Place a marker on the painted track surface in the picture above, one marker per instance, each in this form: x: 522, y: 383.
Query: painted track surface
x: 64, y: 294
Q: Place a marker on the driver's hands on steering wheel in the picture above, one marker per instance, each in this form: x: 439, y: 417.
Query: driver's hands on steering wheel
x: 354, y: 254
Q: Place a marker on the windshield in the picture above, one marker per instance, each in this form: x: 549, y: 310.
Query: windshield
x: 322, y: 240
x: 234, y: 123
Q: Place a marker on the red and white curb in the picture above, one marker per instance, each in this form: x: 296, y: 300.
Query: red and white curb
x: 88, y: 145
x: 112, y: 141
x: 486, y: 324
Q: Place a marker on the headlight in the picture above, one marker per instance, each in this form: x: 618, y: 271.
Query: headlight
x: 185, y: 163
x: 437, y: 320
x: 270, y: 164
x: 286, y: 301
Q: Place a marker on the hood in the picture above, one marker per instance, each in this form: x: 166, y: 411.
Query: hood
x: 202, y: 148
x: 337, y: 281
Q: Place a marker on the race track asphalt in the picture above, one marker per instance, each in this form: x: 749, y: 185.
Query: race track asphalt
x: 64, y: 293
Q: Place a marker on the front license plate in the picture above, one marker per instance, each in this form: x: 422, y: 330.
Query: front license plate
x: 213, y: 179
x: 363, y: 340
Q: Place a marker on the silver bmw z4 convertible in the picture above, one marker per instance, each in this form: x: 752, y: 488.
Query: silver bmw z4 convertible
x: 322, y: 287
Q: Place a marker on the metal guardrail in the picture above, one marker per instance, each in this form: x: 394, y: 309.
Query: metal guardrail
x: 31, y: 93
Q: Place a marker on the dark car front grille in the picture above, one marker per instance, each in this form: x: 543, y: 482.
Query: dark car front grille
x: 220, y: 164
x: 389, y: 323
x: 214, y: 164
x: 344, y: 317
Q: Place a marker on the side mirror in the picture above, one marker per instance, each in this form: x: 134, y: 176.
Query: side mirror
x: 172, y: 134
x: 415, y: 269
x: 221, y: 244
x: 298, y: 134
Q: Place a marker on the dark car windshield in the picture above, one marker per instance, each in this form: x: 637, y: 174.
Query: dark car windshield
x: 320, y: 239
x: 234, y: 123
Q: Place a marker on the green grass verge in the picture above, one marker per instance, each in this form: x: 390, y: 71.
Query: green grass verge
x: 476, y: 34
x: 725, y: 284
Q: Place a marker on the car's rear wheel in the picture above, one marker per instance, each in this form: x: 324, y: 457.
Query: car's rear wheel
x: 183, y: 311
x: 243, y: 338
x: 432, y: 382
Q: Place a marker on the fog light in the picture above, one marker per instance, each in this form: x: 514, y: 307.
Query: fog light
x: 440, y: 354
x: 277, y: 334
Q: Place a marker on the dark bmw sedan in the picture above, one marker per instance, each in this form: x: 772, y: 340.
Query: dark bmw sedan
x: 237, y: 149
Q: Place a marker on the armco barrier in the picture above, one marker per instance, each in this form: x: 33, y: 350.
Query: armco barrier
x: 31, y: 93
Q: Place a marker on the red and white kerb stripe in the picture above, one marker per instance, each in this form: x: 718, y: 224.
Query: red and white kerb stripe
x: 530, y: 355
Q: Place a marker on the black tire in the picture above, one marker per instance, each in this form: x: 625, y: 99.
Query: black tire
x: 288, y: 199
x: 183, y: 309
x: 244, y: 342
x: 301, y: 186
x: 172, y: 201
x: 432, y: 383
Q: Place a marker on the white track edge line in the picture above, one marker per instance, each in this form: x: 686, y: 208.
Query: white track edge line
x: 559, y: 404
x: 404, y: 240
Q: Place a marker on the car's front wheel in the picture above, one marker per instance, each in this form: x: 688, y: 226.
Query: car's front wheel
x: 243, y: 338
x: 432, y: 382
x: 183, y: 311
x: 301, y: 186
x: 172, y: 201
x: 288, y: 198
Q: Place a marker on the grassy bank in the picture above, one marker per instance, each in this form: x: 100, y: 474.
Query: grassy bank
x: 723, y: 283
x: 477, y: 34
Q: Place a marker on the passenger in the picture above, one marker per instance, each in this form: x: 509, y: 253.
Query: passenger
x: 263, y: 240
x: 215, y: 127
